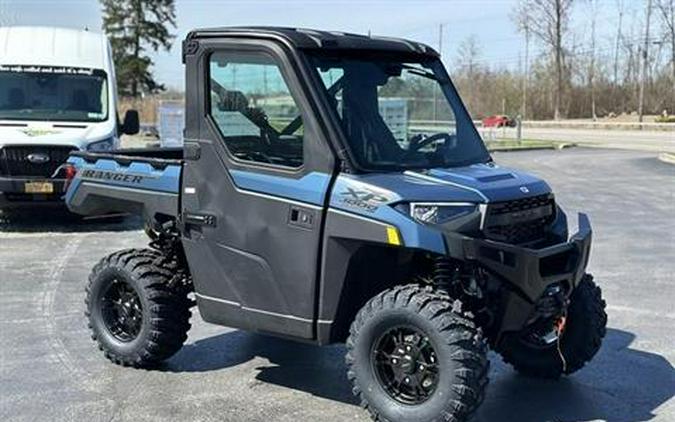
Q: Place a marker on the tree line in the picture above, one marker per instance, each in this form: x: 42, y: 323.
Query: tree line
x: 567, y: 71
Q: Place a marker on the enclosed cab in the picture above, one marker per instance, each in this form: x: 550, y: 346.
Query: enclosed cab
x: 57, y: 95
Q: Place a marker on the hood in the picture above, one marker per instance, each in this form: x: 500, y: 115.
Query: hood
x: 479, y: 183
x: 78, y: 135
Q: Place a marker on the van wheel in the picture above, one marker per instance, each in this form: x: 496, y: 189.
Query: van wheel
x: 135, y: 315
x: 412, y: 355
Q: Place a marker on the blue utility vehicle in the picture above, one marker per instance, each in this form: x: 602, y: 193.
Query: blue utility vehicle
x: 297, y: 209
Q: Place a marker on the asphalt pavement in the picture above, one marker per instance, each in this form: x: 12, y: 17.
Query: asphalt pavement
x: 51, y: 370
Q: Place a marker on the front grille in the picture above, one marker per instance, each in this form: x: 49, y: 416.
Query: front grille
x: 520, y: 221
x: 14, y: 160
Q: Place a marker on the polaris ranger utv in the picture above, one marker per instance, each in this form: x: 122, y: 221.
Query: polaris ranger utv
x: 312, y: 201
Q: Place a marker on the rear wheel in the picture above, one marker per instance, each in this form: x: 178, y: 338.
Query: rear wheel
x: 413, y: 356
x: 136, y: 314
x: 540, y: 356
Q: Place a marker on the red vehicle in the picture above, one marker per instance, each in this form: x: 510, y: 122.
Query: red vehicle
x: 499, y: 121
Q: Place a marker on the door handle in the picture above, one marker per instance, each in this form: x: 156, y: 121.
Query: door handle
x: 301, y: 217
x: 200, y: 219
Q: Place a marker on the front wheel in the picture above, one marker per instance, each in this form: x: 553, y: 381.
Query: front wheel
x: 135, y: 315
x: 413, y: 356
x: 576, y: 345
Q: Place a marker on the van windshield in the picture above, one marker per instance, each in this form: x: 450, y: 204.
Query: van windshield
x: 53, y: 94
x: 399, y: 112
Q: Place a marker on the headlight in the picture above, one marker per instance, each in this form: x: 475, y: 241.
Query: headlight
x: 100, y: 146
x: 439, y: 213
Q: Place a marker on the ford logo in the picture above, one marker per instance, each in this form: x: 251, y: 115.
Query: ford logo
x: 38, y: 158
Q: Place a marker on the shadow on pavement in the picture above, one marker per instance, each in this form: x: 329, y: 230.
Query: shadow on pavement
x: 620, y: 385
x: 56, y: 220
x: 319, y: 371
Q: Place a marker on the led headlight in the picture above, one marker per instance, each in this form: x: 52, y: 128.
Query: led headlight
x: 439, y: 213
x: 100, y: 146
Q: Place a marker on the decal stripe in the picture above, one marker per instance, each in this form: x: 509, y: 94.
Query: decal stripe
x: 358, y: 216
x: 445, y: 182
x: 260, y: 311
x: 310, y: 188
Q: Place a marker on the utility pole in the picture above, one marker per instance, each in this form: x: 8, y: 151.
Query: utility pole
x: 440, y: 51
x: 616, y: 51
x: 526, y: 79
x: 645, y: 64
x: 591, y: 73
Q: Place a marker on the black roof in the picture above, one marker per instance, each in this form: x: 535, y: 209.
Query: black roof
x: 314, y: 39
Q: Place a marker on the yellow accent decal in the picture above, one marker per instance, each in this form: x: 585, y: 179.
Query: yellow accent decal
x: 392, y: 236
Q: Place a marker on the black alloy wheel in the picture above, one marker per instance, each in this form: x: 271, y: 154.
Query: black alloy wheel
x: 406, y: 365
x: 122, y: 311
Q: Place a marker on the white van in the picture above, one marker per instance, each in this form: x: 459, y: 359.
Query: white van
x: 57, y: 94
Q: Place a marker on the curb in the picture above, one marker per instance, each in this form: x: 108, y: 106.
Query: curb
x: 537, y: 148
x: 667, y: 157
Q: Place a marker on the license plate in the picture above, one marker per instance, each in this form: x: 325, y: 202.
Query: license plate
x: 39, y: 187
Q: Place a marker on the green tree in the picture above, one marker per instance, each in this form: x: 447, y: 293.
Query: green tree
x: 134, y: 27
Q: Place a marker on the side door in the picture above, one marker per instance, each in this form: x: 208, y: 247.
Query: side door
x: 255, y: 181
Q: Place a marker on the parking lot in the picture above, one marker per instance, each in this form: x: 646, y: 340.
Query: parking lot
x: 49, y: 366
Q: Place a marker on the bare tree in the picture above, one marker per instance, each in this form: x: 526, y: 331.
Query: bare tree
x: 5, y: 18
x: 645, y: 63
x: 548, y: 21
x: 593, y: 5
x: 620, y: 7
x: 620, y: 10
x: 468, y: 54
x: 522, y: 22
x: 667, y: 9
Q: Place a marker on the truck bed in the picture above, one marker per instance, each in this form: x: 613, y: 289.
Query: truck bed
x: 140, y: 181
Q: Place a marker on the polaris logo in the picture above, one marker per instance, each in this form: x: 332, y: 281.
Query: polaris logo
x: 38, y: 158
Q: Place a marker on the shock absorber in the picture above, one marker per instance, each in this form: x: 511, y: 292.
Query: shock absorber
x: 443, y: 273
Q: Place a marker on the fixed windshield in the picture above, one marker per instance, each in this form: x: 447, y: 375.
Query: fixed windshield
x: 399, y: 114
x: 53, y: 93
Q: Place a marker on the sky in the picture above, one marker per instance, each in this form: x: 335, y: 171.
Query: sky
x: 488, y: 20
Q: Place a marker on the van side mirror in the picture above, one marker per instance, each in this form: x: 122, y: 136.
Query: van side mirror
x: 131, y: 124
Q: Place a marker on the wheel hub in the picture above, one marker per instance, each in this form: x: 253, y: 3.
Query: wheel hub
x: 406, y: 365
x: 122, y: 311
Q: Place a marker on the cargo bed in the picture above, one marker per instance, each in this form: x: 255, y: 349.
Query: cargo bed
x: 143, y: 181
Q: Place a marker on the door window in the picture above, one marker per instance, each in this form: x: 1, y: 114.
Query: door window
x: 254, y: 109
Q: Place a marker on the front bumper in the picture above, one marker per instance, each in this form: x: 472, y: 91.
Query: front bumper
x: 13, y: 193
x: 528, y: 271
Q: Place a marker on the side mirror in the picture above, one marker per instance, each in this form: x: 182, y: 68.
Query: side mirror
x: 131, y: 124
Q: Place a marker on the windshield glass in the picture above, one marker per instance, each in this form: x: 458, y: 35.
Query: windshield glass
x: 53, y: 93
x: 399, y: 114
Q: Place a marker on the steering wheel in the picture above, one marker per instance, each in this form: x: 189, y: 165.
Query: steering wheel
x: 418, y: 142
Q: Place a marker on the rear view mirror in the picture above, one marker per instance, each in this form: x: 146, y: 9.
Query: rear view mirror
x: 131, y: 124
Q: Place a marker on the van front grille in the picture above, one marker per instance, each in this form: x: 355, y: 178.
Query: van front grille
x: 32, y: 160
